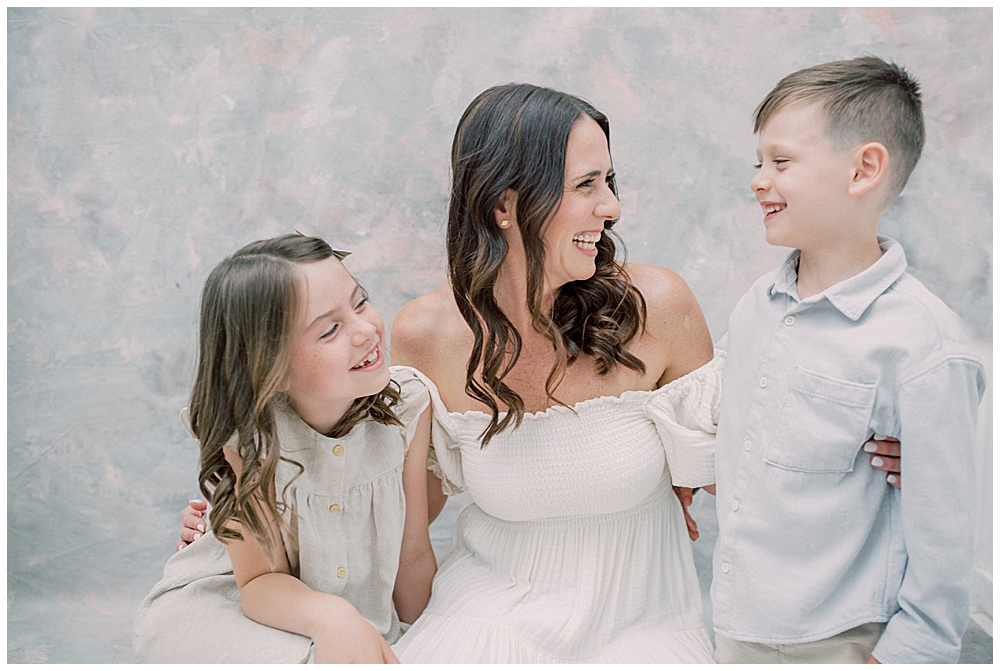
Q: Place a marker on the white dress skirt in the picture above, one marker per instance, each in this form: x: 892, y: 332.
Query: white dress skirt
x: 575, y: 548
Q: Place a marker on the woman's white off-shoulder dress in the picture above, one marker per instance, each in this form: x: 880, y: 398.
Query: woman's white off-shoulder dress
x: 575, y: 548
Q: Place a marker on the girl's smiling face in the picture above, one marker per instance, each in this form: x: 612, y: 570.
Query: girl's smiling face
x: 337, y: 351
x: 587, y: 202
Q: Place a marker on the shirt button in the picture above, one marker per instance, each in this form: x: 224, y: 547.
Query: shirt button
x: 747, y: 445
x: 762, y: 382
x: 736, y: 505
x: 341, y: 572
x: 725, y: 567
x: 338, y: 450
x: 789, y: 320
x: 334, y: 508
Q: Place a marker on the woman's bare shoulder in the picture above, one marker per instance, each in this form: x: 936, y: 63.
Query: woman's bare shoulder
x: 675, y: 323
x: 426, y: 328
x: 663, y: 289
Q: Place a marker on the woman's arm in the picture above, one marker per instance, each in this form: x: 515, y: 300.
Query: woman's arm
x: 271, y: 596
x: 416, y: 558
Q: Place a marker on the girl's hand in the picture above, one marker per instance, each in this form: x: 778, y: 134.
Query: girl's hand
x: 885, y: 457
x: 351, y: 639
x: 193, y: 523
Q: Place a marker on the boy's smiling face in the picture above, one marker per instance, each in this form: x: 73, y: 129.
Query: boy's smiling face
x: 802, y: 180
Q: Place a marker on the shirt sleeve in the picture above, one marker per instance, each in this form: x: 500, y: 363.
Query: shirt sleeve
x: 685, y: 413
x: 937, y: 413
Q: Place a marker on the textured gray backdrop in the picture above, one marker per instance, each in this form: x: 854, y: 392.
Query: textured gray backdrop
x: 145, y: 145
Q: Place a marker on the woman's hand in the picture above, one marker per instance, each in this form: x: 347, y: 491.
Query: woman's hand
x: 350, y: 639
x: 193, y: 523
x: 885, y: 457
x: 686, y: 496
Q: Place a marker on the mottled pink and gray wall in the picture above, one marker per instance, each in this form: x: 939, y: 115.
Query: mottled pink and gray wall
x: 145, y: 145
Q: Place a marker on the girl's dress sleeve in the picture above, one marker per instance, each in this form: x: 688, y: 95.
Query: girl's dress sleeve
x: 445, y: 457
x: 686, y: 412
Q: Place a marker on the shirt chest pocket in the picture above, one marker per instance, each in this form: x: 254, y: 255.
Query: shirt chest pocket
x: 822, y: 424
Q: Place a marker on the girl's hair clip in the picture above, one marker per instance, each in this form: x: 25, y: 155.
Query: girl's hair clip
x: 339, y: 253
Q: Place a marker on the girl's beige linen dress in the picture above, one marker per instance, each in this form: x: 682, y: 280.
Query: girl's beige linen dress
x: 347, y: 509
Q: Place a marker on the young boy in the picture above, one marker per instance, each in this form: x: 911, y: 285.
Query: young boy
x: 818, y: 558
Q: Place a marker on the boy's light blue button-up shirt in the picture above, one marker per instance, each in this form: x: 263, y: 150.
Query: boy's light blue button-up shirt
x: 812, y: 540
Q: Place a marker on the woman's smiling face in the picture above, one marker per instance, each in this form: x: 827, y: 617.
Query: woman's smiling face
x: 587, y: 202
x: 337, y: 345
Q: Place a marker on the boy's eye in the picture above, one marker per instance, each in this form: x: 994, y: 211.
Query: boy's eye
x: 758, y: 166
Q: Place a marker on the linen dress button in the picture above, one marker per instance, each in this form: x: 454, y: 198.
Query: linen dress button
x: 763, y: 382
x: 789, y: 320
x: 334, y: 508
x: 736, y: 505
x: 341, y: 572
x: 747, y: 445
x: 338, y: 450
x: 725, y: 567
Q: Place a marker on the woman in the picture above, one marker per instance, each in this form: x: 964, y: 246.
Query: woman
x: 571, y: 392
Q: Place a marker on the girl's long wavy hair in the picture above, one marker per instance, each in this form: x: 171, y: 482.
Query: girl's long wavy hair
x: 248, y: 307
x: 514, y: 137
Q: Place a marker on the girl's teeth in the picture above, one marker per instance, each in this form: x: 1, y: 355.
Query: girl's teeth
x: 369, y: 360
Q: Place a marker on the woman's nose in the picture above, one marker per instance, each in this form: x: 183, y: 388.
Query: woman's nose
x: 609, y: 207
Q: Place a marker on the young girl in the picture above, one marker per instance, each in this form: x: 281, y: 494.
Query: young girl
x: 314, y: 457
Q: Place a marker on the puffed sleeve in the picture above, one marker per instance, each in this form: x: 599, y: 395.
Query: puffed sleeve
x: 685, y: 413
x: 445, y: 457
x: 415, y: 397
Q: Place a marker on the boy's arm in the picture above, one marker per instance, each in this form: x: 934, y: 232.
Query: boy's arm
x: 937, y: 413
x: 416, y: 558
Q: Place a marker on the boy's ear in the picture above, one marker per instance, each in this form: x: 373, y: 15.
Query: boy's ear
x: 871, y: 165
x: 505, y: 211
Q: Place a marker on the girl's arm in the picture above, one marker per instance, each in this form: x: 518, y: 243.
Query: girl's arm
x: 416, y: 558
x: 271, y: 596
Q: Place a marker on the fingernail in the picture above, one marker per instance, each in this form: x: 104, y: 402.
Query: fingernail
x: 197, y: 536
x: 195, y: 501
x: 877, y: 461
x: 870, y: 447
x: 891, y: 479
x: 201, y: 527
x: 879, y: 436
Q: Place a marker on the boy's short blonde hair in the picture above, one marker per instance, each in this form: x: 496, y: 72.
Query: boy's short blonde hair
x: 866, y: 100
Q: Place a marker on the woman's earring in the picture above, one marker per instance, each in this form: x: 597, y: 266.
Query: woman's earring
x: 504, y: 224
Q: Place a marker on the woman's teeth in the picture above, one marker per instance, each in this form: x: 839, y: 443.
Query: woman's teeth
x: 771, y: 209
x: 587, y: 241
x: 369, y: 360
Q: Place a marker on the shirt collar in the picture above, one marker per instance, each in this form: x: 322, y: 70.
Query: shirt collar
x: 852, y: 296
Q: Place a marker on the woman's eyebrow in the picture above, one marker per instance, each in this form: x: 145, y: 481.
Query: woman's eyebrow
x: 592, y: 174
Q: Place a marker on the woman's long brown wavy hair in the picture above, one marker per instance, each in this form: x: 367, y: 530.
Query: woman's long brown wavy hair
x: 248, y: 308
x: 514, y: 137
